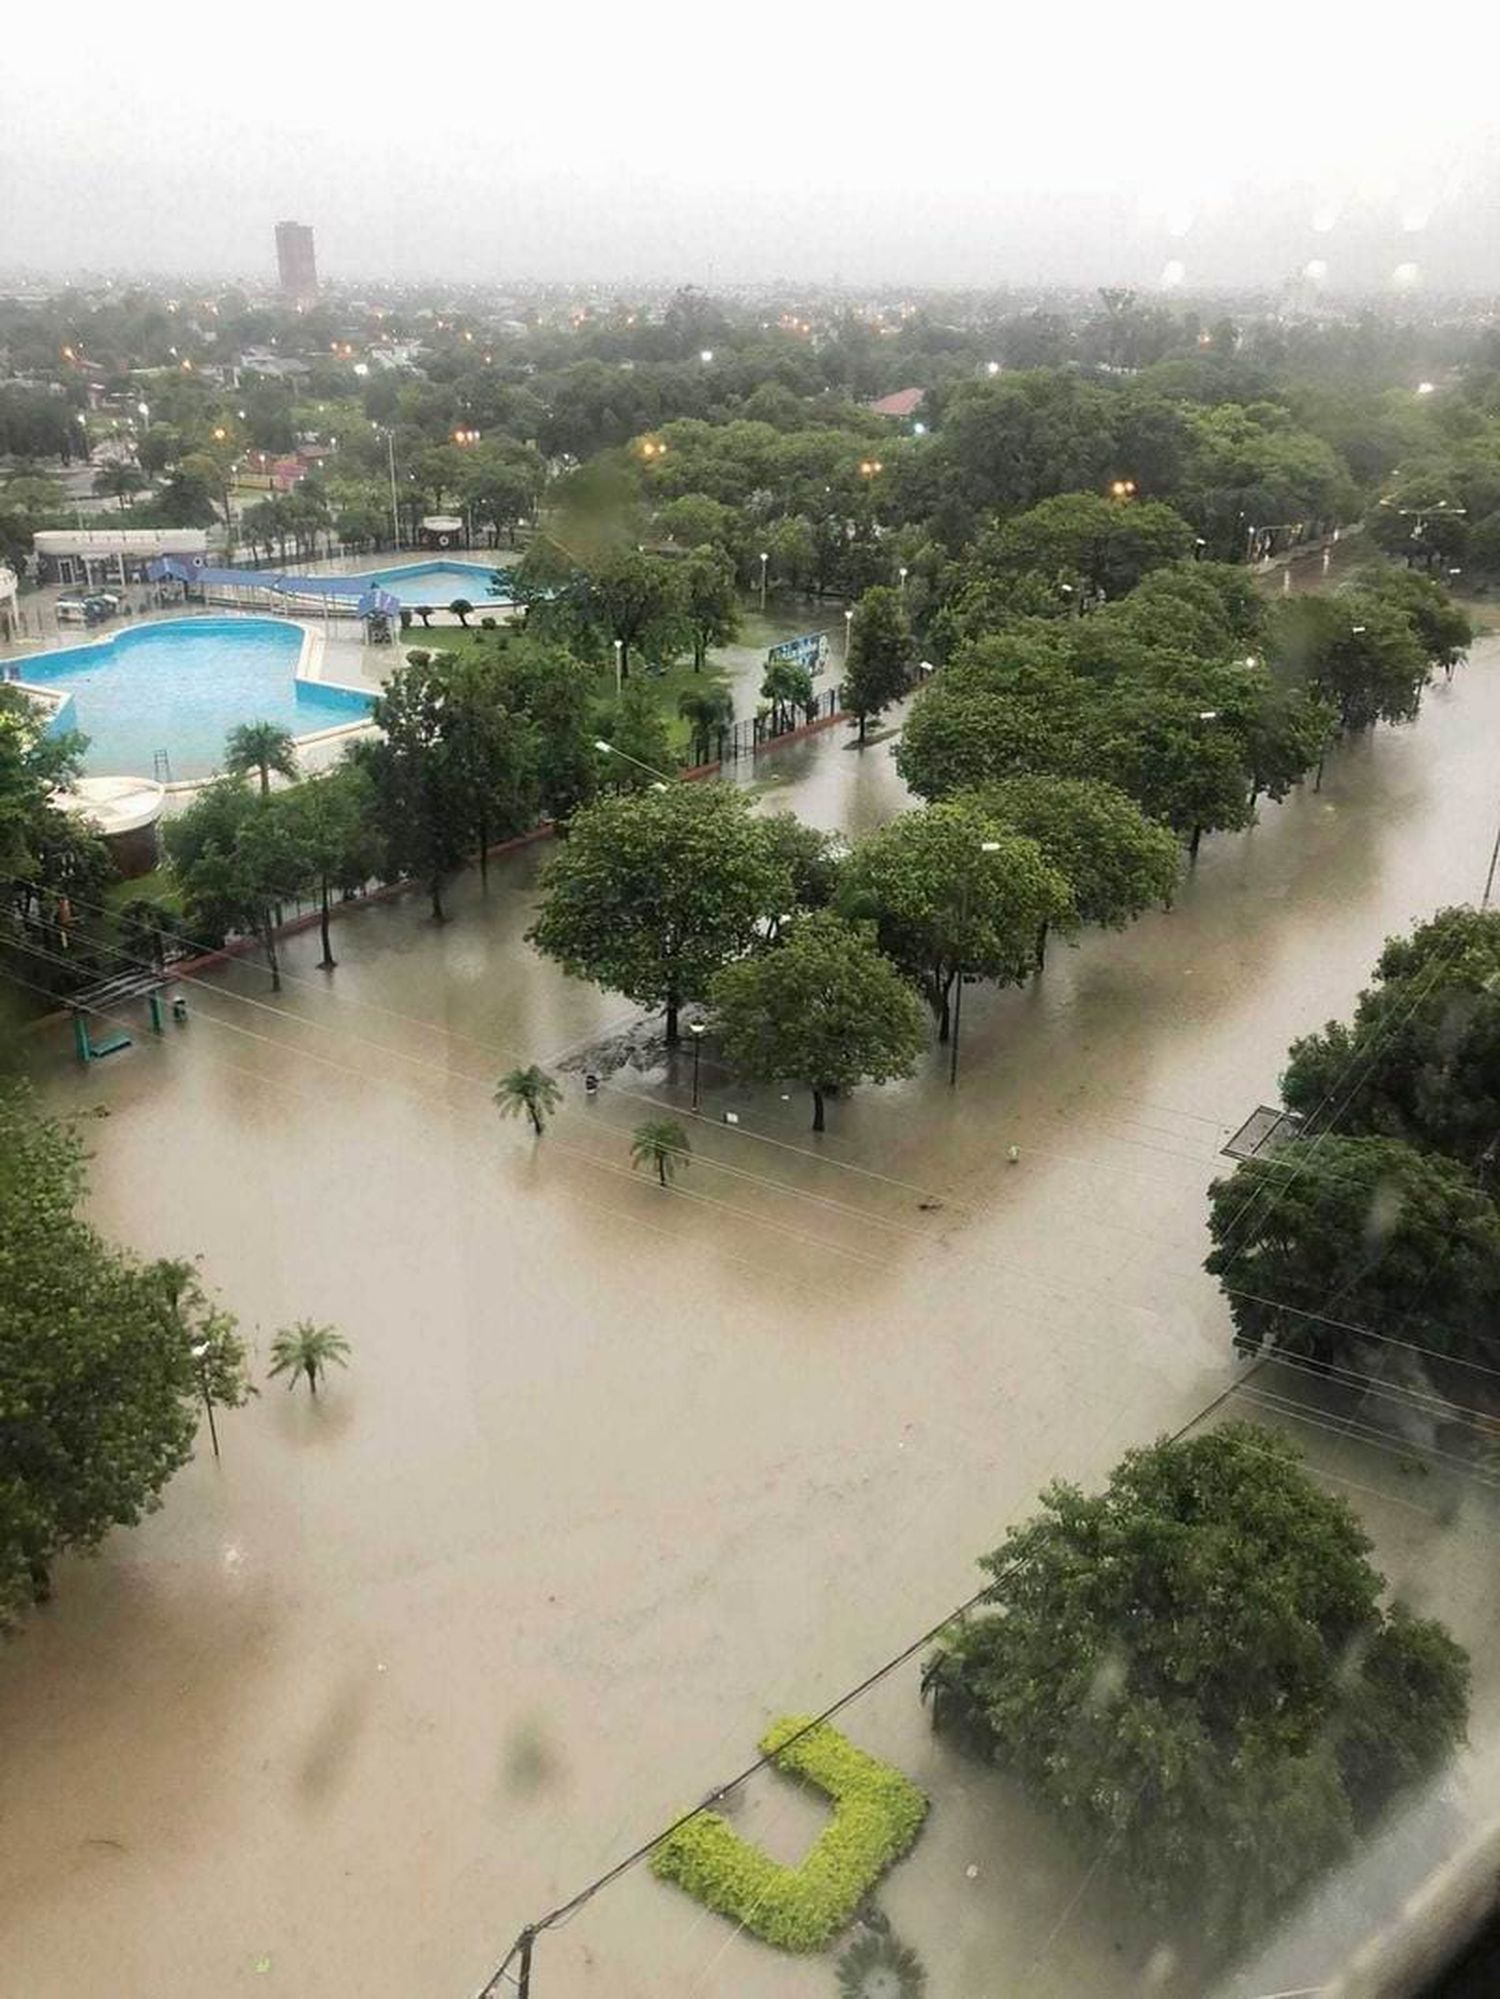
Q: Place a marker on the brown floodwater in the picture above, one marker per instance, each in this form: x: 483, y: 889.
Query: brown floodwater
x: 616, y: 1474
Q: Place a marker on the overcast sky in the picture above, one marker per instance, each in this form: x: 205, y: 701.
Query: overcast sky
x: 1164, y: 142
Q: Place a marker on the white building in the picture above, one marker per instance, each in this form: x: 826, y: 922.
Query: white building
x: 93, y: 558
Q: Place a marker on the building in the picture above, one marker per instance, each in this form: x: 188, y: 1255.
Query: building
x: 296, y: 265
x: 96, y: 558
x: 904, y: 403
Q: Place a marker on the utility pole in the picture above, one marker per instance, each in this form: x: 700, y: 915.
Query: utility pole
x: 523, y: 1982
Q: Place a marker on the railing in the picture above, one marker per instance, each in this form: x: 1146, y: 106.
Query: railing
x: 753, y: 733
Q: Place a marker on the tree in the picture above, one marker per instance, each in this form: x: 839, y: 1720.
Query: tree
x: 822, y: 1007
x: 634, y: 599
x: 708, y: 711
x: 305, y: 1348
x: 655, y: 890
x: 880, y: 647
x: 97, y: 1391
x: 1182, y: 763
x: 788, y: 687
x: 662, y: 1145
x: 555, y: 691
x: 639, y: 735
x: 461, y: 608
x: 1193, y: 1670
x: 1421, y: 1059
x: 261, y: 747
x: 1404, y: 1242
x: 530, y: 1090
x: 238, y: 860
x: 1097, y: 544
x: 695, y: 521
x: 1443, y: 631
x: 1115, y: 860
x: 330, y: 818
x: 424, y: 784
x: 952, y: 889
x: 1356, y: 652
x: 147, y: 927
x: 119, y: 482
x: 709, y: 608
x: 210, y: 1334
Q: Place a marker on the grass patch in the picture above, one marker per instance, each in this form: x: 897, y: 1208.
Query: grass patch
x: 877, y: 1814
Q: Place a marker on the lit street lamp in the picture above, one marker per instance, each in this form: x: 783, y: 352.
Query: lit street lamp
x: 697, y: 1029
x: 985, y: 847
x: 848, y: 630
x: 609, y: 750
x: 619, y: 667
x: 764, y: 559
x: 901, y: 572
x: 200, y: 1352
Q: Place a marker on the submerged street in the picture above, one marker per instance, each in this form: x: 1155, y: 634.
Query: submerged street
x: 618, y: 1474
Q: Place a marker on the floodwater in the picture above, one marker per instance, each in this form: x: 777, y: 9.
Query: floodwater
x: 616, y: 1474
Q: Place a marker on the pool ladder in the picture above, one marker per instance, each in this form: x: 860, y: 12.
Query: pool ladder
x: 161, y: 767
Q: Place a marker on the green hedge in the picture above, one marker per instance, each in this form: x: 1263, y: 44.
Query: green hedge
x: 877, y: 1814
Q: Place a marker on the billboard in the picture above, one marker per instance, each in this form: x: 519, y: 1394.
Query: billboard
x: 812, y: 650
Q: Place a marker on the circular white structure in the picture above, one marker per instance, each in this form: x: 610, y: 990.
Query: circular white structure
x: 124, y: 811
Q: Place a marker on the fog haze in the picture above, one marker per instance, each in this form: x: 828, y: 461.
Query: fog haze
x: 946, y: 145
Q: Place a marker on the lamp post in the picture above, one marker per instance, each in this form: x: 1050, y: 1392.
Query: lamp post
x: 901, y: 572
x: 619, y: 667
x: 985, y: 847
x: 199, y: 1352
x: 764, y: 559
x: 848, y: 631
x: 609, y: 750
x: 697, y: 1029
x: 390, y: 453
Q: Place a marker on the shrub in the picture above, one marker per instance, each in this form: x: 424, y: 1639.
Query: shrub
x: 877, y: 1814
x: 487, y: 623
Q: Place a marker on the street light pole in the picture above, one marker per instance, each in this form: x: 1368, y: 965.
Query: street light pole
x: 200, y: 1355
x: 390, y: 449
x: 609, y: 750
x: 985, y: 847
x: 1489, y: 880
x: 764, y: 559
x: 619, y: 667
x: 697, y: 1029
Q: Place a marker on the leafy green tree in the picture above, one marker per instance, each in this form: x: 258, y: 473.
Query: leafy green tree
x: 147, y: 926
x: 331, y: 822
x: 662, y: 1145
x: 1096, y: 543
x: 210, y: 1334
x: 1358, y: 653
x: 119, y: 482
x: 710, y: 609
x: 555, y: 691
x: 1115, y: 860
x: 423, y: 778
x: 461, y: 609
x: 530, y: 1092
x: 952, y: 888
x: 97, y: 1391
x: 880, y: 654
x: 307, y: 1349
x: 1194, y: 1672
x: 1442, y: 629
x: 655, y: 890
x: 635, y: 600
x: 793, y: 550
x: 262, y: 747
x: 489, y: 749
x: 813, y: 861
x: 237, y: 860
x: 822, y: 1007
x: 991, y: 715
x: 1182, y: 763
x: 1421, y: 1059
x: 788, y: 687
x: 708, y: 711
x: 695, y: 521
x: 1403, y: 1241
x: 644, y: 754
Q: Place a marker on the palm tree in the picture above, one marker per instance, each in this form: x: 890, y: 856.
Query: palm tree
x: 263, y: 747
x: 530, y: 1090
x: 707, y: 710
x: 660, y: 1142
x: 307, y: 1349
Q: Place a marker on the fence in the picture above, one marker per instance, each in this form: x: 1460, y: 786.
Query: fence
x: 754, y: 732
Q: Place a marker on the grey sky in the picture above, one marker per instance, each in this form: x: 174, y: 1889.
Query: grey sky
x: 942, y: 144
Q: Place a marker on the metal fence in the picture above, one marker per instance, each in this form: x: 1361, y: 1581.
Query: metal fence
x: 754, y: 732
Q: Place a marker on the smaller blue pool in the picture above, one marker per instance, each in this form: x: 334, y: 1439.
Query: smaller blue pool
x: 180, y: 687
x: 438, y: 584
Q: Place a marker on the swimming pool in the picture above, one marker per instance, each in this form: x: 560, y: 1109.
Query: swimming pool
x: 180, y: 686
x: 438, y: 583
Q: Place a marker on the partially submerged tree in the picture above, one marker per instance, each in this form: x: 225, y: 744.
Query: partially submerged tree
x: 822, y: 1007
x: 529, y: 1093
x: 880, y: 654
x: 306, y: 1349
x: 662, y: 1145
x: 1194, y: 1671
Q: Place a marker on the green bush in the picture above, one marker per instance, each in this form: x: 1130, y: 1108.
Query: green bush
x: 877, y: 1814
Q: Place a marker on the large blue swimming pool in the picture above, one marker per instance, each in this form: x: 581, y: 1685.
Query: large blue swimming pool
x: 438, y: 583
x: 180, y: 687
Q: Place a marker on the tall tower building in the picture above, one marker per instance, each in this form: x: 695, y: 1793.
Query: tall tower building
x: 295, y: 262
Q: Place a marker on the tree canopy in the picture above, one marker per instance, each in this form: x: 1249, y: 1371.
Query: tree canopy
x: 1193, y: 1669
x: 821, y: 1007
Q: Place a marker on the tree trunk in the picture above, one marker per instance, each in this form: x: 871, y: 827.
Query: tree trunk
x: 817, y: 1097
x: 312, y: 1376
x: 41, y: 1579
x: 265, y: 780
x: 1194, y: 843
x: 661, y: 1167
x: 271, y: 958
x: 943, y: 1012
x: 862, y: 721
x: 435, y: 890
x: 327, y: 962
x: 484, y: 850
x: 674, y: 1002
x: 536, y: 1118
x: 1041, y: 946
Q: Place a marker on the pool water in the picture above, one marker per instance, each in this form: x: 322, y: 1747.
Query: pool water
x: 438, y: 583
x: 180, y: 687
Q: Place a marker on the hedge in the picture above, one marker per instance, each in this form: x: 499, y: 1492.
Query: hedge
x: 877, y: 1814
